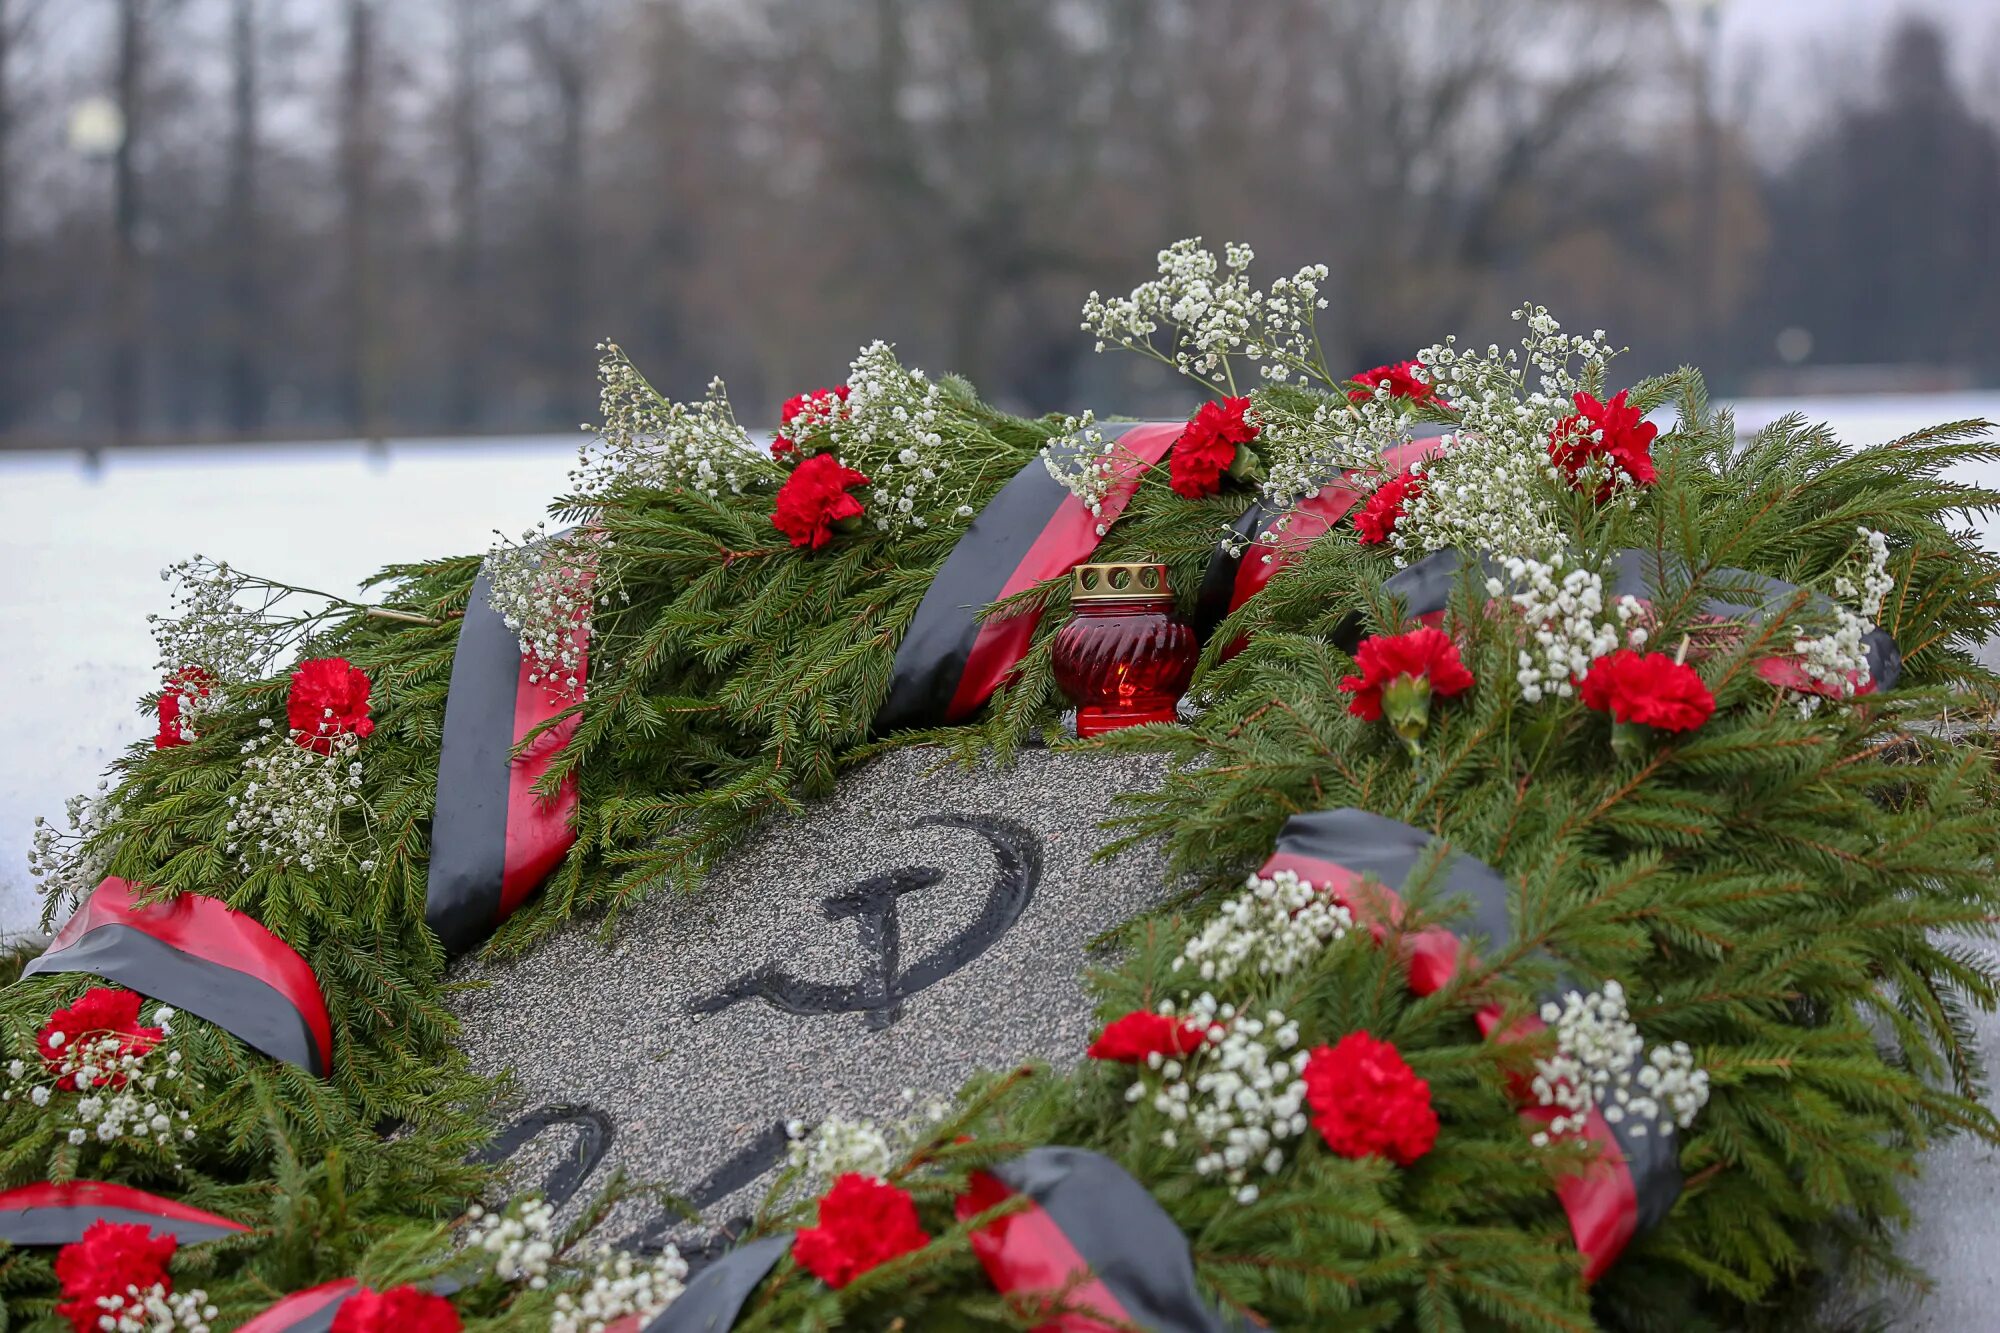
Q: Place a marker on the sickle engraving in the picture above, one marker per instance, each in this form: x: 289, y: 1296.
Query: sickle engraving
x: 873, y: 905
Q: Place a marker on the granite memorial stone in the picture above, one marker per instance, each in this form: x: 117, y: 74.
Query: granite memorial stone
x: 924, y: 923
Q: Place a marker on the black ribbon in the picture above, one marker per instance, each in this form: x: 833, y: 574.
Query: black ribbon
x: 194, y: 953
x: 493, y: 841
x: 46, y: 1214
x: 715, y: 1295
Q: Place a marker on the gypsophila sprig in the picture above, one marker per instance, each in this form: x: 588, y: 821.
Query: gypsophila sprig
x: 1238, y: 1100
x: 1491, y: 486
x: 621, y: 1286
x: 912, y: 438
x: 210, y: 626
x: 233, y: 627
x: 1213, y: 316
x: 1837, y: 661
x: 107, y: 1088
x: 1274, y: 926
x: 1302, y: 451
x: 299, y: 807
x: 70, y: 863
x: 1563, y: 622
x: 648, y: 442
x: 518, y: 1238
x: 839, y: 1146
x: 156, y: 1310
x: 1600, y: 1061
x: 544, y: 588
x: 1086, y: 462
x: 836, y: 1146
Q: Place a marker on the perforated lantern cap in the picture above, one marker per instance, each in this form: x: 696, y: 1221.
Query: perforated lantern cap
x: 1142, y: 580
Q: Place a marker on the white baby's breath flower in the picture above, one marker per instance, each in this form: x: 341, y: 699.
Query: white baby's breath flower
x: 620, y: 1286
x: 1601, y: 1061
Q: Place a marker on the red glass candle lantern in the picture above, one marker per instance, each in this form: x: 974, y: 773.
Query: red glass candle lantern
x: 1126, y: 658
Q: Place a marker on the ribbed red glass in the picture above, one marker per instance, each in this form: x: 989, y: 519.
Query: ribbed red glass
x: 1124, y: 662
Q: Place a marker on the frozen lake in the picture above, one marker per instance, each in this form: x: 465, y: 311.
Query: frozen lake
x: 86, y: 546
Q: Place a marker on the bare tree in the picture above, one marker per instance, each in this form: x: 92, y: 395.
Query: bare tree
x: 466, y: 133
x: 562, y: 36
x: 243, y: 371
x: 125, y: 364
x: 356, y: 391
x: 15, y: 18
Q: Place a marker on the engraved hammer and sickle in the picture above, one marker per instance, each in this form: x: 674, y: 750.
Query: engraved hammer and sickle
x: 873, y: 904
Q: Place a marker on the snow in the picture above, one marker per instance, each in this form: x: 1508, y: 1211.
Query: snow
x: 85, y: 546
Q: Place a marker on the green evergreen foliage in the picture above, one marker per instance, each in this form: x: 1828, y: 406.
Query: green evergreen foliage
x: 1795, y: 897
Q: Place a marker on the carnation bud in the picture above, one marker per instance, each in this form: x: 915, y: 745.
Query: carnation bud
x: 1406, y: 702
x: 1246, y: 466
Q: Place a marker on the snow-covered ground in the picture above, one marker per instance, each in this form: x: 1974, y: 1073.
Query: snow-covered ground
x: 84, y: 549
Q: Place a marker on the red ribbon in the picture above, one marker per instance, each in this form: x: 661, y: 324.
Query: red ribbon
x: 1027, y: 1252
x: 539, y: 830
x: 1308, y: 521
x: 300, y: 1306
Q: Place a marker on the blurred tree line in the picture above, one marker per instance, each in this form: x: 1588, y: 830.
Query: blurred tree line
x: 267, y: 218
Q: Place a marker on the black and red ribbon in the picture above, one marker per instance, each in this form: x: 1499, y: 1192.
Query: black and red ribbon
x: 1241, y: 565
x: 493, y: 839
x: 715, y: 1295
x: 313, y: 1310
x: 60, y: 1214
x: 194, y: 953
x: 1424, y: 589
x: 308, y: 1311
x: 1092, y: 1235
x: 1363, y: 860
x: 950, y: 662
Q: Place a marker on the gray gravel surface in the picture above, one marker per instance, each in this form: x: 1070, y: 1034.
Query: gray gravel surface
x: 616, y: 1027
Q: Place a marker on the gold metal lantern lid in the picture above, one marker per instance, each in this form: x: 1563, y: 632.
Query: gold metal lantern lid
x: 1143, y: 580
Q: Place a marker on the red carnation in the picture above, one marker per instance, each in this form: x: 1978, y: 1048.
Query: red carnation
x: 1207, y: 447
x: 403, y: 1309
x: 1141, y: 1033
x: 188, y: 681
x: 329, y: 698
x: 814, y: 498
x: 1401, y: 379
x: 1368, y: 1102
x: 1400, y: 673
x: 1612, y: 431
x: 101, y: 1011
x: 819, y: 404
x: 112, y: 1258
x: 1649, y: 688
x: 863, y: 1223
x: 1378, y: 516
